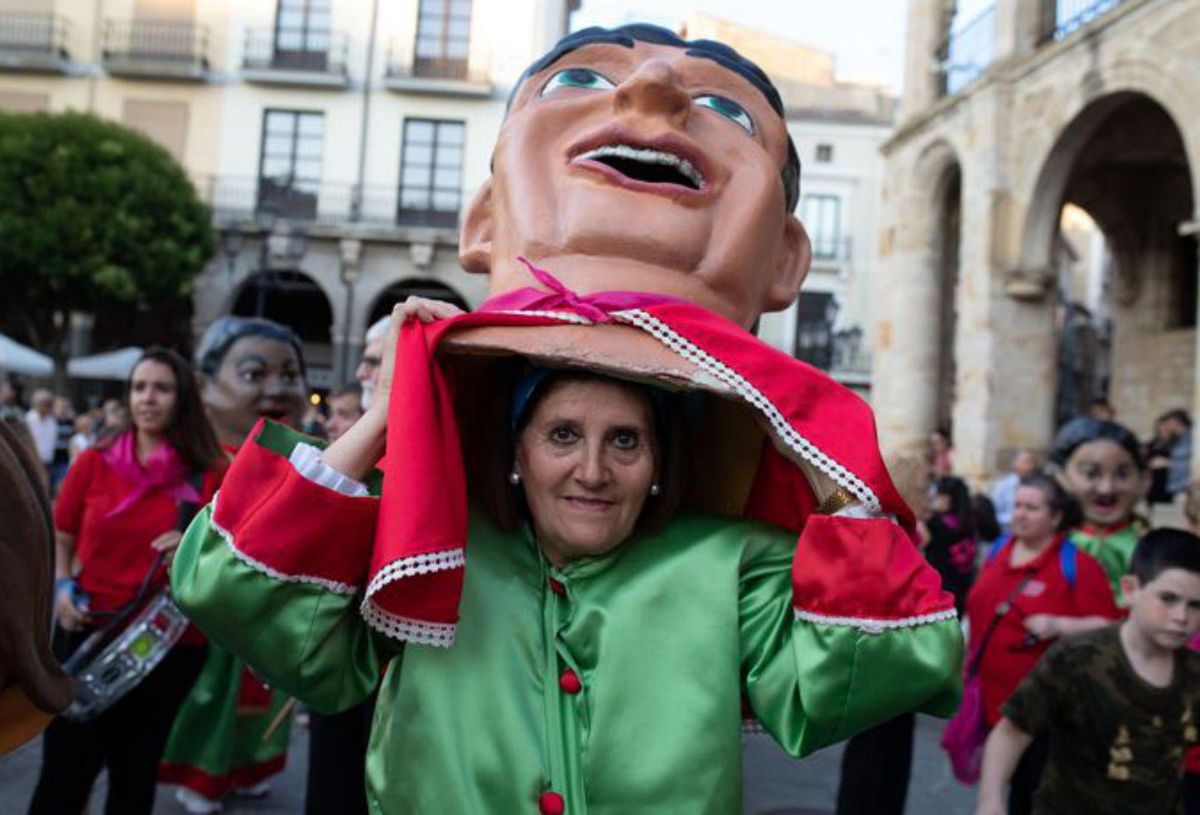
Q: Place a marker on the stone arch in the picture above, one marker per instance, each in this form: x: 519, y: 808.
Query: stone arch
x: 1124, y: 158
x: 1169, y: 82
x: 413, y: 287
x: 298, y: 301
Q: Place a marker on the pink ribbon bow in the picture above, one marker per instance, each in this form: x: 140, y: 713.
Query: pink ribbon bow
x: 596, y: 307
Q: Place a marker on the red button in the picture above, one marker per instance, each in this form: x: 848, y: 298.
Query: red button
x: 568, y: 680
x: 557, y: 587
x: 551, y: 803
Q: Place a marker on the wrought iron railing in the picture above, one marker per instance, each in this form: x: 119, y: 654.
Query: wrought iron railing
x: 296, y: 49
x: 242, y: 198
x: 967, y: 51
x: 178, y: 41
x: 403, y: 65
x: 1062, y: 17
x: 33, y: 33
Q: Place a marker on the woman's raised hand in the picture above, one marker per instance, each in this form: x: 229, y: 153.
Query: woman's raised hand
x: 414, y: 308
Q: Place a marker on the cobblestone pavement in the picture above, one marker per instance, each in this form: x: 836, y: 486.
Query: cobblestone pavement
x: 775, y: 783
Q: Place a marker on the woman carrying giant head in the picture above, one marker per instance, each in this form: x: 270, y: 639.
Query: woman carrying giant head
x: 607, y: 514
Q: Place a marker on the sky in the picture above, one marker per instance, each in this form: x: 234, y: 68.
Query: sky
x: 867, y: 36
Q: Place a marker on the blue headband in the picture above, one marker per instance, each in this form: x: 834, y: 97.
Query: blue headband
x: 536, y: 377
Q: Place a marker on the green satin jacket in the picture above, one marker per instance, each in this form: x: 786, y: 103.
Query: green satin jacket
x: 610, y: 687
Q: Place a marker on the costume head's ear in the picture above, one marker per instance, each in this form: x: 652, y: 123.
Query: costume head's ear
x: 791, y: 266
x: 475, y: 237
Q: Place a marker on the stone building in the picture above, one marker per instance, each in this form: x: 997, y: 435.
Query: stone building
x: 337, y: 141
x: 1029, y: 106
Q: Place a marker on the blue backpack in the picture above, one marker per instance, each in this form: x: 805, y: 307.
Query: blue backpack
x: 1067, y: 557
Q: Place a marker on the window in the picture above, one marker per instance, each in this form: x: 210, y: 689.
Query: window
x: 431, y: 173
x: 822, y: 217
x: 824, y: 153
x: 815, y: 314
x: 443, y: 39
x: 289, y: 171
x: 302, y: 35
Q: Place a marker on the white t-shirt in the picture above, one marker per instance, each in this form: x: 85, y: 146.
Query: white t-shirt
x: 44, y: 430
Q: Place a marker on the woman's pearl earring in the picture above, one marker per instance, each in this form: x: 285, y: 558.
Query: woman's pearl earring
x: 514, y: 478
x: 655, y: 490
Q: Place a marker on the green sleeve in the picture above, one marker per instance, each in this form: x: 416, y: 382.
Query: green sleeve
x: 302, y: 637
x: 812, y: 682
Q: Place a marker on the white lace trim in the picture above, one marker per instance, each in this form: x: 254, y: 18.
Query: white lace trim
x: 872, y: 626
x: 564, y: 316
x: 406, y: 629
x: 417, y: 564
x: 307, y: 462
x: 334, y: 586
x: 788, y: 434
x: 858, y: 512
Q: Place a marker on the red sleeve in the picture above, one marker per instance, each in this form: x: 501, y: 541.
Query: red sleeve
x: 1093, y: 592
x: 68, y: 507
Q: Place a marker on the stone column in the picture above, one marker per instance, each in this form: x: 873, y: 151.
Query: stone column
x: 1018, y: 27
x: 928, y: 22
x: 905, y: 365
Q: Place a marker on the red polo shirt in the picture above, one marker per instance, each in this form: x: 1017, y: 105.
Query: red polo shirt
x: 114, y: 554
x: 1009, y: 657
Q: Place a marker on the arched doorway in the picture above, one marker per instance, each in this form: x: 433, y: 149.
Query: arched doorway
x: 295, y: 300
x: 947, y: 244
x: 1123, y: 163
x: 413, y: 287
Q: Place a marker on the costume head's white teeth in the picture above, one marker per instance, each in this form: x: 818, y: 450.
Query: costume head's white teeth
x: 647, y: 156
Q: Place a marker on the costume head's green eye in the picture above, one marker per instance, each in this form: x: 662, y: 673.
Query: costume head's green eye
x: 729, y: 109
x: 577, y: 78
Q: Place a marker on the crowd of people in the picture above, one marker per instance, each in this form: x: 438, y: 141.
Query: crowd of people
x: 1059, y: 552
x: 673, y: 530
x: 126, y: 475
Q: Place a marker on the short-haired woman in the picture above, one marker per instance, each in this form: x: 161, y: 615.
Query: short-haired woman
x: 119, y: 506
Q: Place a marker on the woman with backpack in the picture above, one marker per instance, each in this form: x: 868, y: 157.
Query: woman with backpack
x: 1033, y: 588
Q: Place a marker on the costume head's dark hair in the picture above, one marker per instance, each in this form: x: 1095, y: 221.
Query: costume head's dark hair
x: 720, y: 53
x: 1084, y: 429
x: 1162, y: 549
x: 225, y: 331
x: 188, y: 431
x: 1058, y: 499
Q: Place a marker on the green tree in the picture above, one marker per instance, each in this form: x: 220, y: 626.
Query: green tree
x: 94, y: 217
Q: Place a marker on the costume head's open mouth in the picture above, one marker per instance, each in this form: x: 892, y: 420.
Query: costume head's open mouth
x: 646, y: 164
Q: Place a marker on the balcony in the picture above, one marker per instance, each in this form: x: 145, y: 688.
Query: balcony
x: 302, y: 57
x: 966, y: 52
x: 441, y: 76
x: 156, y: 49
x: 34, y: 42
x: 234, y: 199
x: 1061, y: 18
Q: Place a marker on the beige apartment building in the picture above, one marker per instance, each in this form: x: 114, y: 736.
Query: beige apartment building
x: 1007, y: 118
x: 337, y: 141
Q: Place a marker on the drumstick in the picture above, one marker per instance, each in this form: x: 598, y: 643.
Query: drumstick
x: 279, y: 717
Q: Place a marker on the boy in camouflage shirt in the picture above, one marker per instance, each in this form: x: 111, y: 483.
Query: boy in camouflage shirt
x: 1118, y: 703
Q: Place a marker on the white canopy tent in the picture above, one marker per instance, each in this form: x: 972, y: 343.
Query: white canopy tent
x: 19, y: 359
x: 109, y: 365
